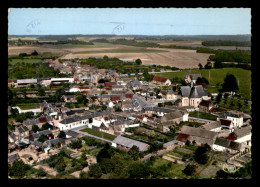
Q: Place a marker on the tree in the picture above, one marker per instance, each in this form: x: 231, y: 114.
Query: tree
x: 76, y: 144
x: 202, y: 80
x: 41, y: 92
x: 22, y: 55
x: 201, y: 155
x: 103, y: 153
x: 218, y: 98
x: 10, y: 97
x: 138, y: 61
x: 34, y: 53
x: 187, y: 142
x: 80, y: 99
x: 14, y: 112
x: 95, y: 170
x: 46, y: 126
x: 147, y: 77
x: 61, y: 134
x: 134, y: 152
x: 105, y: 57
x: 208, y: 65
x: 18, y: 169
x: 200, y: 66
x: 230, y: 83
x: 42, y: 138
x: 139, y: 170
x: 20, y: 118
x: 35, y: 128
x: 190, y: 169
x: 218, y: 65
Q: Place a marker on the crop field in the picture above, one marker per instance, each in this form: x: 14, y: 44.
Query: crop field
x: 26, y: 60
x: 27, y: 106
x: 179, y: 58
x: 217, y: 78
x: 15, y: 50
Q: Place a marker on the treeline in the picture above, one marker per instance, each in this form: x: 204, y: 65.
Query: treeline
x: 68, y: 42
x: 178, y: 47
x: 226, y: 56
x: 226, y: 43
x: 101, y: 40
x: 30, y: 70
x: 135, y: 43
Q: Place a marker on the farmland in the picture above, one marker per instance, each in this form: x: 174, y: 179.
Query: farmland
x: 217, y: 78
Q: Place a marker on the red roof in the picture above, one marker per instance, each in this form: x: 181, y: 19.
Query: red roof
x: 225, y: 122
x: 128, y: 95
x: 182, y: 137
x: 83, y: 87
x: 159, y: 79
x: 42, y: 120
x: 10, y: 81
x: 205, y: 103
x: 108, y: 84
x: 231, y: 137
x: 115, y: 98
x: 108, y: 88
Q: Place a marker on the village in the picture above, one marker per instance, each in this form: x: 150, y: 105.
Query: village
x: 127, y: 112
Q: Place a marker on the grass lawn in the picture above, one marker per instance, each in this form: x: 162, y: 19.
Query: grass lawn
x: 227, y: 103
x: 94, y: 151
x: 191, y: 147
x: 99, y: 134
x: 174, y: 171
x: 26, y: 106
x: 217, y: 78
x: 26, y: 60
x: 122, y: 51
x: 202, y: 115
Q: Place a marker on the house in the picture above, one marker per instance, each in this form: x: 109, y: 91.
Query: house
x: 62, y: 80
x: 170, y: 119
x: 35, y: 136
x: 192, y: 77
x: 70, y: 98
x: 25, y: 82
x: 74, y: 89
x: 109, y: 84
x: 172, y: 144
x: 193, y: 95
x: 206, y: 106
x: 236, y: 119
x: 53, y: 142
x: 36, y: 145
x: 242, y: 135
x: 161, y: 80
x: 117, y: 88
x: 226, y: 145
x: 71, y: 122
x: 12, y: 158
x: 225, y: 124
x: 72, y: 134
x: 126, y: 144
x: 127, y: 106
x: 135, y: 84
x: 22, y: 132
x: 212, y: 126
x: 171, y: 95
x: 200, y: 136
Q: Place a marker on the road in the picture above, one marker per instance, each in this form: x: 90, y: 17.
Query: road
x: 90, y: 135
x: 125, y: 75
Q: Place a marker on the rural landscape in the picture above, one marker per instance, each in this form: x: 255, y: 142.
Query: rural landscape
x: 129, y: 106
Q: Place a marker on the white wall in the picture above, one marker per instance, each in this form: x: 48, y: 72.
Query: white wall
x: 244, y: 138
x: 218, y: 148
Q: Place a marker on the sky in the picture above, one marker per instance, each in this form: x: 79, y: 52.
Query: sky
x: 129, y: 21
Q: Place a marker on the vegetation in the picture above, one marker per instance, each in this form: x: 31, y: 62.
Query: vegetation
x: 33, y: 70
x: 217, y: 79
x: 61, y: 134
x: 99, y: 134
x: 190, y: 170
x: 135, y: 43
x: 203, y: 115
x: 226, y: 43
x: 201, y: 154
x: 230, y: 83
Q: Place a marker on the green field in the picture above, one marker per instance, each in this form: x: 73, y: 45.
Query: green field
x: 25, y: 60
x: 217, y: 78
x: 122, y: 51
x: 99, y: 134
x: 26, y: 106
x: 227, y: 103
x: 203, y: 115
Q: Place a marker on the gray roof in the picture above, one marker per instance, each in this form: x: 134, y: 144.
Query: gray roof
x: 70, y: 120
x: 127, y: 142
x: 31, y: 122
x: 194, y: 92
x: 13, y: 157
x: 243, y: 131
x: 117, y: 86
x: 54, y: 141
x: 36, y: 143
x: 213, y: 125
x: 170, y: 143
x: 170, y: 116
x: 72, y: 133
x: 192, y: 131
x: 22, y: 129
x: 136, y: 83
x: 27, y: 81
x: 227, y: 143
x: 37, y: 135
x: 159, y: 109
